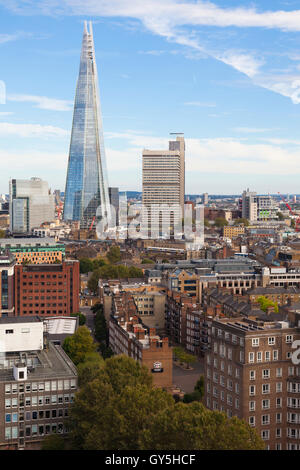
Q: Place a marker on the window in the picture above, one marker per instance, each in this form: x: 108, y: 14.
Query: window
x: 252, y: 390
x: 7, y: 403
x: 279, y: 372
x: 255, y: 342
x: 278, y: 418
x: 9, y: 332
x: 271, y: 340
x: 265, y: 404
x: 267, y: 355
x: 8, y: 418
x: 265, y: 419
x: 266, y: 388
x: 252, y: 374
x: 7, y: 433
x: 7, y: 388
x: 252, y: 421
x: 278, y: 402
x: 34, y: 429
x: 34, y: 386
x: 251, y: 357
x: 259, y: 356
x: 266, y: 373
x: 278, y: 387
x: 265, y: 434
x: 251, y: 405
x: 275, y: 355
x: 289, y: 338
x: 278, y: 432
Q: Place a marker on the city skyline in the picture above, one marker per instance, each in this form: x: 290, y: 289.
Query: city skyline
x: 237, y: 106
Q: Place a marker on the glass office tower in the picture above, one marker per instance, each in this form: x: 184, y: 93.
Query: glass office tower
x: 86, y: 185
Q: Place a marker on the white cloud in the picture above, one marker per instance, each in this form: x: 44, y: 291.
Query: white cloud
x: 251, y: 130
x: 172, y: 18
x: 42, y: 102
x: 200, y: 104
x: 220, y: 155
x: 6, y: 37
x: 156, y: 13
x: 31, y: 130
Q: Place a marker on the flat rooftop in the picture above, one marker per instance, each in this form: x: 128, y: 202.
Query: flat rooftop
x: 51, y: 362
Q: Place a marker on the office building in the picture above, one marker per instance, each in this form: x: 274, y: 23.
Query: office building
x: 31, y: 204
x: 164, y: 183
x: 38, y: 382
x: 114, y: 201
x: 86, y: 184
x: 7, y: 288
x: 47, y: 289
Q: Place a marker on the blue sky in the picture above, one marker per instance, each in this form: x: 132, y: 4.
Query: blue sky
x: 226, y: 73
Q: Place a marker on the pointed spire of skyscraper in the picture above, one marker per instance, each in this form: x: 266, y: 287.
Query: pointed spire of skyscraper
x: 86, y: 185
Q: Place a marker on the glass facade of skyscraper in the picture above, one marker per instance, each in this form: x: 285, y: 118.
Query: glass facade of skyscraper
x: 86, y: 185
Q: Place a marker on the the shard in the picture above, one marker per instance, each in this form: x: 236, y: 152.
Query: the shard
x: 86, y: 184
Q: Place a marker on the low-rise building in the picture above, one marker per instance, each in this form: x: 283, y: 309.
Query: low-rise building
x: 34, y: 250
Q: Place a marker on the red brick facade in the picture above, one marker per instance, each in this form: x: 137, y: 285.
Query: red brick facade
x: 47, y: 290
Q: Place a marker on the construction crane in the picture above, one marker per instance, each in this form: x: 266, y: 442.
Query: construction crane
x: 297, y: 224
x: 93, y: 221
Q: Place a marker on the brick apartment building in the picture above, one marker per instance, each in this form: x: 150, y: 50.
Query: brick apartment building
x: 128, y: 335
x: 37, y: 385
x: 46, y: 290
x: 177, y: 309
x: 249, y: 373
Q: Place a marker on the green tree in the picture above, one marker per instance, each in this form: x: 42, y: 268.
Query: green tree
x: 190, y: 397
x: 93, y: 282
x: 53, y: 442
x: 86, y: 265
x: 98, y: 263
x: 121, y: 409
x: 265, y: 303
x: 220, y: 222
x: 96, y: 307
x: 89, y: 369
x: 206, y: 223
x: 114, y: 254
x: 188, y: 359
x: 293, y: 223
x: 241, y: 220
x: 82, y: 318
x: 2, y: 233
x: 199, y: 387
x: 280, y: 216
x: 194, y: 427
x: 79, y: 344
x: 135, y: 272
x: 148, y: 261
